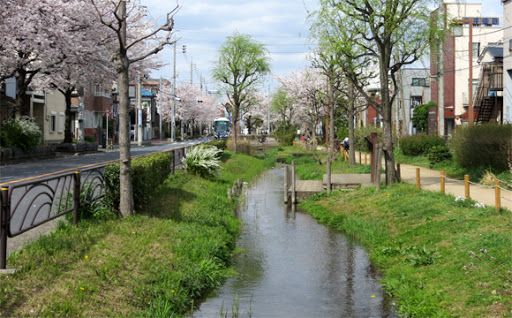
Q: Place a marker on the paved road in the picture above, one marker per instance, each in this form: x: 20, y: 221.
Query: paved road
x: 10, y: 173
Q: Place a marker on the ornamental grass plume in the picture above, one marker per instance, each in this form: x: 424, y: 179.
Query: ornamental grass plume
x: 203, y: 160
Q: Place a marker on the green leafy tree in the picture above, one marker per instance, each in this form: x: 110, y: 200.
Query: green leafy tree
x: 242, y: 63
x: 420, y: 116
x: 282, y: 105
x: 386, y: 35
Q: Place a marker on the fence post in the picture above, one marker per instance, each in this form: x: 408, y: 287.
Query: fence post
x: 286, y: 184
x: 418, y: 180
x: 4, y: 225
x: 76, y: 198
x: 443, y: 181
x: 294, y: 194
x: 466, y: 187
x: 173, y: 167
x: 497, y: 194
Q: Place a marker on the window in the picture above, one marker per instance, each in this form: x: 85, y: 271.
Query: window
x: 419, y: 82
x: 476, y: 50
x: 53, y: 122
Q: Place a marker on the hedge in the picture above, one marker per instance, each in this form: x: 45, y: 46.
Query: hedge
x: 487, y: 145
x: 419, y: 144
x: 147, y: 174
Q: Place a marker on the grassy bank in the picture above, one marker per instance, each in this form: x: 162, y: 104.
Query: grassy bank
x: 155, y: 264
x: 438, y: 257
x: 310, y: 165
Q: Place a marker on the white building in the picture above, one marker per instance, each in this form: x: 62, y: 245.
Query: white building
x: 507, y: 61
x: 414, y: 90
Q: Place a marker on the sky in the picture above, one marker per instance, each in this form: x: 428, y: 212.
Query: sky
x: 281, y: 25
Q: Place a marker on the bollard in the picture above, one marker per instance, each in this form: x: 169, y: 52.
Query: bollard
x: 4, y: 225
x: 76, y: 198
x: 497, y: 194
x: 286, y: 184
x: 466, y: 187
x: 443, y: 181
x: 418, y: 181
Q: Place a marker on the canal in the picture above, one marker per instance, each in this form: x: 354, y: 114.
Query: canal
x: 291, y: 266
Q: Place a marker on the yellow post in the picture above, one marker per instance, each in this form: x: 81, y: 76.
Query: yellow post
x: 418, y: 182
x: 466, y: 187
x: 497, y: 194
x: 443, y: 181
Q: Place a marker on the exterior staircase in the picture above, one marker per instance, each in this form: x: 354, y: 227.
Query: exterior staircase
x: 488, y: 101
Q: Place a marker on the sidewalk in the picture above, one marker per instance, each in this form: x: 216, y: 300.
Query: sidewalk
x: 430, y: 180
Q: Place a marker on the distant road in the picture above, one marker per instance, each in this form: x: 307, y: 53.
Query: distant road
x: 35, y: 168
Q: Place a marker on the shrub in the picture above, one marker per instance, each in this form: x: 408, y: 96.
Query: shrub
x: 360, y: 135
x: 147, y: 174
x: 419, y: 144
x: 487, y: 145
x: 439, y: 154
x: 203, y: 160
x: 285, y: 135
x: 219, y: 143
x: 20, y: 133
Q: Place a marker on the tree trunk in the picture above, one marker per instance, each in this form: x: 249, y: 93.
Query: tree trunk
x: 351, y: 135
x: 330, y: 140
x: 236, y: 112
x: 387, y: 136
x: 68, y: 135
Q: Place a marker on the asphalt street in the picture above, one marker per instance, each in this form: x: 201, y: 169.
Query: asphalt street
x: 13, y: 172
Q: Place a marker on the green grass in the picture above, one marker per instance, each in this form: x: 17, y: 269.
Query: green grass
x: 438, y: 257
x: 156, y: 264
x: 310, y: 165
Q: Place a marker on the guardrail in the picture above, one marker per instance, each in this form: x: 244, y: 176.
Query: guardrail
x: 26, y: 205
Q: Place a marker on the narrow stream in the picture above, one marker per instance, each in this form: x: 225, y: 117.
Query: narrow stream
x: 293, y: 267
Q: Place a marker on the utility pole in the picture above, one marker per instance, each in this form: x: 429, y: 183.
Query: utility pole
x: 139, y: 112
x: 440, y: 76
x: 470, y: 84
x: 173, y: 114
x: 160, y: 112
x: 191, y: 72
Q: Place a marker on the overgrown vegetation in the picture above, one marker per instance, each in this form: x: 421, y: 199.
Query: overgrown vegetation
x: 152, y: 265
x: 285, y: 134
x: 420, y: 116
x: 360, y: 143
x: 203, y: 160
x: 483, y: 146
x: 438, y: 257
x: 20, y: 133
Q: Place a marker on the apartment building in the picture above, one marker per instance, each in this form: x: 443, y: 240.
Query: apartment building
x: 507, y: 61
x: 450, y: 62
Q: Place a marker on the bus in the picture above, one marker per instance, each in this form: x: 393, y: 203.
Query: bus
x: 221, y: 128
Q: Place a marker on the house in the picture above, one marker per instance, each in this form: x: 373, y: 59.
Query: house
x: 488, y: 101
x: 414, y: 90
x: 150, y: 118
x: 450, y: 62
x: 94, y: 106
x: 507, y: 61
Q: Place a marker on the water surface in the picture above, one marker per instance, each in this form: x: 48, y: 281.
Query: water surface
x: 291, y: 266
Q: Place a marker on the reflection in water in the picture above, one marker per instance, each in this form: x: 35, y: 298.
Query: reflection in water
x: 293, y: 267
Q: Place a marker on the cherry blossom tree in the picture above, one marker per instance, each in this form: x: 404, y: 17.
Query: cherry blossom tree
x: 135, y: 40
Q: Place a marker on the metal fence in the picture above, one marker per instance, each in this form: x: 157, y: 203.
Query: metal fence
x: 26, y: 205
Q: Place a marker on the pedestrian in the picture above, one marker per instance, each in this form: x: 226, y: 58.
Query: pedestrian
x: 346, y: 144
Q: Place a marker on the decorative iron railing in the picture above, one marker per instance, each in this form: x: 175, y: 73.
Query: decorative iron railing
x: 26, y: 205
